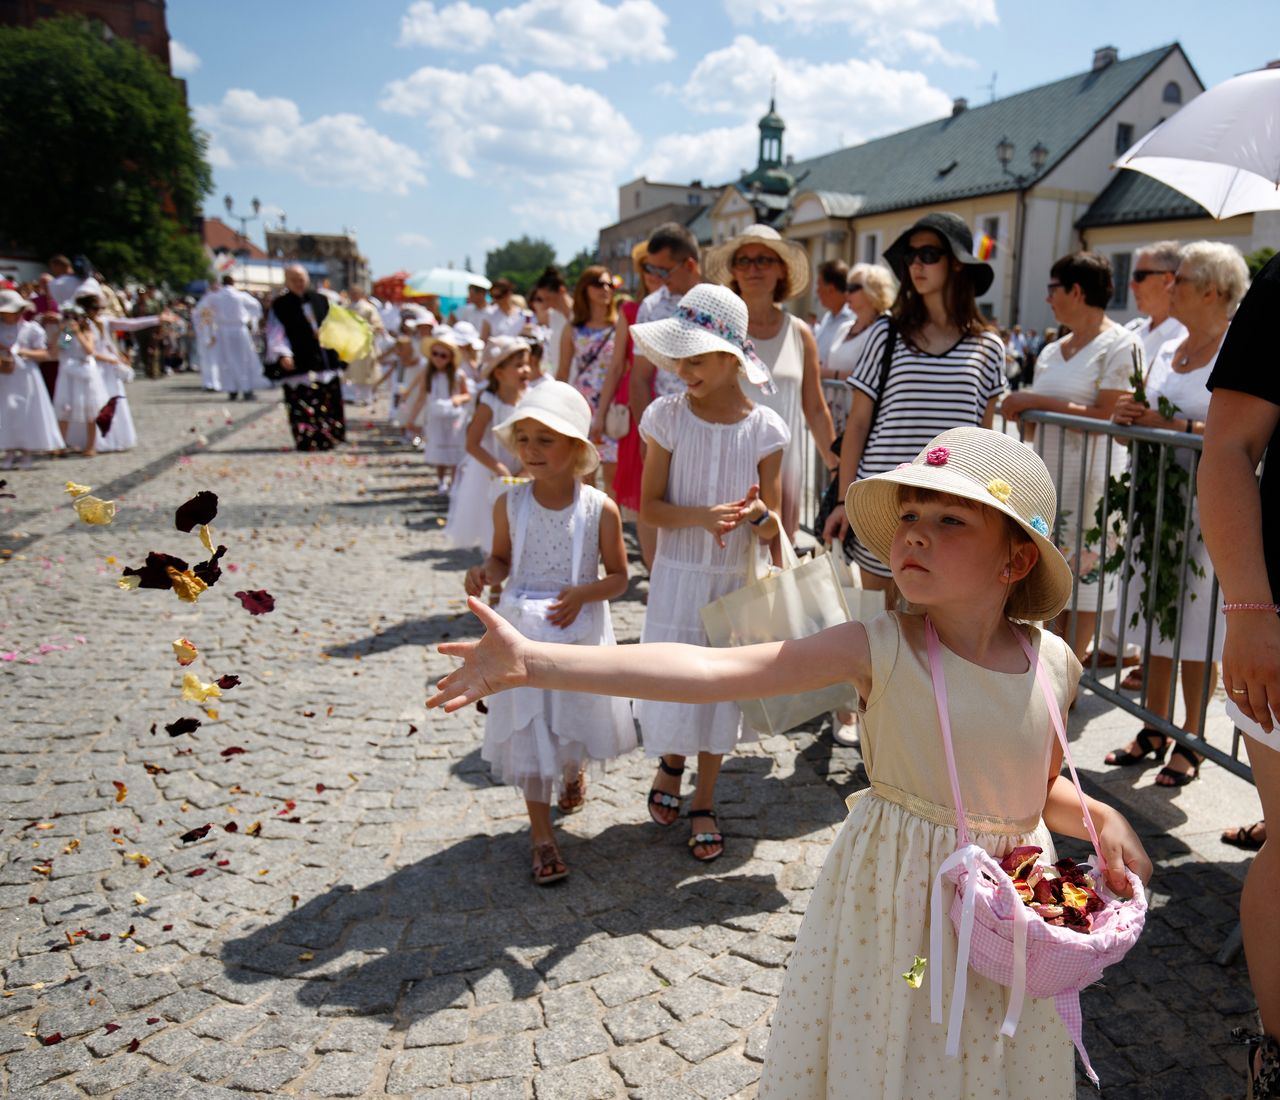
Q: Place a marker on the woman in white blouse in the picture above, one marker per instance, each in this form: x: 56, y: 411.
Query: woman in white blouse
x: 870, y: 290
x: 1083, y: 374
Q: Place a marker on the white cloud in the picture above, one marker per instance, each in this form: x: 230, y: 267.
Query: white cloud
x: 558, y: 148
x: 340, y: 150
x: 413, y: 240
x: 183, y: 60
x: 714, y: 156
x: 559, y: 34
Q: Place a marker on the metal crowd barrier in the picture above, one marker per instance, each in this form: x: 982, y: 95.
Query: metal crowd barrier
x: 1134, y: 449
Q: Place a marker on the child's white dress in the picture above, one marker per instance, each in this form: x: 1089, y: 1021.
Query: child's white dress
x: 446, y: 431
x: 475, y: 489
x: 79, y: 393
x: 532, y: 736
x: 847, y: 1024
x: 27, y: 422
x: 710, y: 464
x: 403, y: 377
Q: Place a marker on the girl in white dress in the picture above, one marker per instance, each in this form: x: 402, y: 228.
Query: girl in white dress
x: 505, y: 370
x: 964, y: 529
x: 550, y: 536
x: 448, y: 399
x: 712, y: 456
x: 27, y: 422
x: 79, y: 393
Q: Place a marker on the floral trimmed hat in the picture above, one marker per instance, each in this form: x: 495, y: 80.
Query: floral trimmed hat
x: 984, y: 466
x: 708, y: 318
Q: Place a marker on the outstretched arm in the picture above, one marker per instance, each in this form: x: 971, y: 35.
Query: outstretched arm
x: 504, y: 658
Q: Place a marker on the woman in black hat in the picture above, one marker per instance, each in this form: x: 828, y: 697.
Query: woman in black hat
x: 935, y: 363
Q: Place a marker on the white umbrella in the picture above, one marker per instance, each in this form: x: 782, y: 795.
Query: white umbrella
x: 1222, y: 149
x: 447, y: 282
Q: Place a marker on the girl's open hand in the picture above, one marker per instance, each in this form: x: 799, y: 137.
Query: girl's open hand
x: 494, y: 663
x: 1121, y: 848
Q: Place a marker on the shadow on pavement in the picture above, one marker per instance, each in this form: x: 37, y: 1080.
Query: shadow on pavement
x: 415, y: 632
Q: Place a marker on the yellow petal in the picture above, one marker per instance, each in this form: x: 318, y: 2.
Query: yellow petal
x: 186, y: 584
x: 212, y: 713
x: 95, y: 511
x: 306, y: 956
x: 197, y: 692
x: 185, y: 651
x: 139, y: 859
x: 915, y: 975
x: 138, y: 899
x: 77, y: 490
x: 129, y: 583
x: 206, y: 536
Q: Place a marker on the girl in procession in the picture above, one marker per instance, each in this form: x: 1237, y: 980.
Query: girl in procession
x: 443, y: 387
x: 963, y: 528
x: 550, y: 536
x: 711, y: 487
x: 27, y: 422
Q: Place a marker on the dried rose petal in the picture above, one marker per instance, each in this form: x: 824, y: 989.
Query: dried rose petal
x: 231, y: 827
x: 227, y: 682
x: 111, y: 1028
x: 122, y: 792
x: 1018, y: 863
x: 257, y: 602
x: 186, y: 584
x: 234, y: 750
x: 51, y: 1040
x: 196, y: 691
x: 185, y: 651
x: 133, y: 1046
x: 196, y: 873
x: 196, y: 834
x: 200, y: 509
x: 209, y: 571
x: 155, y: 572
x: 181, y: 726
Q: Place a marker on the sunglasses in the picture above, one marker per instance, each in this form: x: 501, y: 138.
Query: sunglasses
x: 1142, y: 272
x: 657, y: 272
x: 853, y: 288
x: 607, y: 284
x: 928, y: 255
x: 741, y: 263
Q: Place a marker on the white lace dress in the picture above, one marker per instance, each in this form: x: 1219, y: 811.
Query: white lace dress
x: 27, y: 422
x: 531, y: 736
x: 710, y: 464
x: 475, y: 489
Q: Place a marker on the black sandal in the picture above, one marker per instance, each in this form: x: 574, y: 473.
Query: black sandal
x: 1176, y: 778
x: 1122, y: 758
x: 661, y: 798
x: 1264, y: 1064
x: 1246, y: 836
x: 696, y: 839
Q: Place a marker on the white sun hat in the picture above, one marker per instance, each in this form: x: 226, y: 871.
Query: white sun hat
x: 468, y: 335
x: 497, y: 351
x: 13, y: 302
x: 719, y: 260
x: 561, y: 408
x: 708, y: 318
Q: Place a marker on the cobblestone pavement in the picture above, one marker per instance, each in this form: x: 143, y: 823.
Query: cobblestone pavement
x: 380, y: 934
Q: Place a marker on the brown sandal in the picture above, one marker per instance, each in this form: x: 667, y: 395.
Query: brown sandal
x: 1246, y: 836
x: 548, y: 867
x: 574, y: 797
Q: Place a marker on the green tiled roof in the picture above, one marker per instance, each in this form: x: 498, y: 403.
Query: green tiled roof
x: 955, y: 157
x: 1135, y: 197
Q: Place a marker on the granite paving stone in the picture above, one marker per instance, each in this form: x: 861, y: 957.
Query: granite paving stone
x: 390, y: 941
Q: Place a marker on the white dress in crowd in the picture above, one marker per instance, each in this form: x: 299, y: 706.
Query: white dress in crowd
x: 475, y: 489
x: 658, y: 306
x: 1190, y: 394
x: 531, y: 736
x: 783, y: 354
x: 446, y: 423
x: 27, y: 422
x: 123, y: 434
x: 710, y: 464
x: 1107, y: 362
x: 509, y: 324
x: 224, y: 318
x: 79, y: 392
x: 404, y: 375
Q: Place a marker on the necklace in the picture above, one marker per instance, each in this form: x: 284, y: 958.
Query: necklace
x: 1185, y: 357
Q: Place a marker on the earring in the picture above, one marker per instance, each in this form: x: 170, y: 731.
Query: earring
x: 1005, y: 573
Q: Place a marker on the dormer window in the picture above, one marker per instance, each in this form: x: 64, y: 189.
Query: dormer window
x: 1172, y: 92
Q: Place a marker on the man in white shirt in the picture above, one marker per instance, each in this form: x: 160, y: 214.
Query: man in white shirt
x: 833, y: 281
x: 1152, y: 283
x: 475, y: 310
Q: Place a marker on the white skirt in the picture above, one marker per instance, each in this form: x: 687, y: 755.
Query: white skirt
x: 27, y: 422
x: 470, y: 522
x: 123, y: 436
x: 533, y: 737
x: 446, y: 433
x: 80, y: 392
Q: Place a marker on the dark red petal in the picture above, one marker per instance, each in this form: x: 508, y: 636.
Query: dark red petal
x: 133, y: 1046
x: 234, y: 750
x: 231, y: 827
x: 153, y: 1019
x: 257, y: 602
x: 111, y: 1028
x: 181, y: 726
x: 52, y: 1040
x: 196, y: 873
x: 228, y: 682
x: 196, y: 834
x: 320, y: 788
x: 200, y: 509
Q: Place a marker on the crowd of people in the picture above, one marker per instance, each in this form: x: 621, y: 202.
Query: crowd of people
x: 694, y: 413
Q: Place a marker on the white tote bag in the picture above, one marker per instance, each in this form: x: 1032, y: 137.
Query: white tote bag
x: 776, y: 605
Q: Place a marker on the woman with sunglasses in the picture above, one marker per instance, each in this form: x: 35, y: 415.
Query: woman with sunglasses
x: 1083, y: 374
x: 586, y: 350
x: 935, y: 363
x: 765, y: 270
x: 506, y: 317
x: 869, y: 292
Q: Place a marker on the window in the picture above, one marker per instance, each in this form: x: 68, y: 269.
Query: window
x: 694, y: 199
x: 987, y: 310
x: 1124, y: 137
x: 1172, y: 92
x: 871, y: 248
x: 1120, y: 265
x: 637, y: 200
x: 990, y: 228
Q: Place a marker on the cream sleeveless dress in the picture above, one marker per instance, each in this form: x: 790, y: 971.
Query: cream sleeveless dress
x: 783, y: 354
x: 847, y: 1024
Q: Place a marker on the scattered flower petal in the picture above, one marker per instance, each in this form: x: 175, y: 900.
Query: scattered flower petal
x: 51, y: 1040
x: 257, y: 602
x: 197, y: 692
x: 76, y: 490
x: 196, y: 834
x: 206, y: 537
x: 234, y: 750
x: 154, y: 573
x: 186, y: 584
x: 139, y: 899
x: 181, y: 726
x: 122, y: 792
x: 915, y: 975
x: 94, y: 511
x: 200, y: 509
x: 185, y: 651
x: 227, y: 682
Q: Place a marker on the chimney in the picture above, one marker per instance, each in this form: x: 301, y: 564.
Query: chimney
x: 958, y: 106
x: 791, y: 159
x: 1104, y: 56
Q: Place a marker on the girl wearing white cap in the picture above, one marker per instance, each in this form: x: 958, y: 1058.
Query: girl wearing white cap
x: 443, y: 390
x: 27, y: 422
x: 965, y: 529
x: 504, y: 370
x: 550, y: 536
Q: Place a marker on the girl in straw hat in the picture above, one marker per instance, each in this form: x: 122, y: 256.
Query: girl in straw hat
x: 550, y: 537
x: 447, y: 395
x: 504, y: 368
x: 766, y: 270
x: 964, y: 528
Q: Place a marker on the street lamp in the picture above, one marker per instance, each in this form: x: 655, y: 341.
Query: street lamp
x: 242, y: 253
x: 1004, y: 154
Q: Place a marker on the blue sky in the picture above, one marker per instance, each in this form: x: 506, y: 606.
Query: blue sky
x: 437, y: 130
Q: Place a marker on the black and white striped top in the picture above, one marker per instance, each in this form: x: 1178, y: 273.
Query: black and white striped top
x: 925, y: 394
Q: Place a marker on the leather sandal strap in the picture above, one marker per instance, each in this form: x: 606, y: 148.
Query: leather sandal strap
x: 705, y: 838
x: 666, y: 769
x: 703, y: 813
x: 661, y: 798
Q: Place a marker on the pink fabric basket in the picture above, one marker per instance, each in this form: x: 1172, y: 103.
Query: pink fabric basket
x: 1000, y: 937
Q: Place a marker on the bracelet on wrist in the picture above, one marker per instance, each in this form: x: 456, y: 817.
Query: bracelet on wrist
x: 1271, y: 607
x: 762, y: 520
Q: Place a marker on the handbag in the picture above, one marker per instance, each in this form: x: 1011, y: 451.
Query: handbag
x: 529, y: 610
x: 775, y: 606
x: 864, y: 604
x: 617, y: 421
x: 1000, y: 937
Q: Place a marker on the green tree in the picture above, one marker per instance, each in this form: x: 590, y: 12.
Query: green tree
x: 102, y: 157
x: 1258, y: 260
x: 521, y: 261
x: 575, y: 267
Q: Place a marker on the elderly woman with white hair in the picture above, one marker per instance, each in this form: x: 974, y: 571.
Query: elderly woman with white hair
x: 1210, y: 282
x: 869, y: 291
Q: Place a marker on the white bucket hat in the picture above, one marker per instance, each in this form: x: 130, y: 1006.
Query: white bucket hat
x: 708, y: 318
x: 468, y: 336
x: 562, y: 409
x: 719, y: 260
x: 984, y: 466
x: 443, y: 334
x: 13, y: 302
x: 498, y: 349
